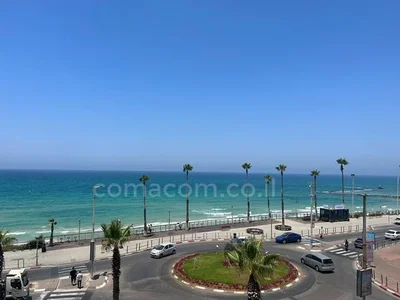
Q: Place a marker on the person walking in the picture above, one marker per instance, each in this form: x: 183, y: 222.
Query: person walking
x: 72, y: 275
x: 79, y: 278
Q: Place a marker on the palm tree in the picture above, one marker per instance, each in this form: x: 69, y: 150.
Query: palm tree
x: 115, y: 236
x: 251, y: 259
x: 315, y: 173
x: 282, y: 168
x: 247, y: 166
x: 4, y: 241
x: 52, y: 222
x: 268, y: 179
x: 187, y: 168
x: 143, y: 180
x: 342, y: 162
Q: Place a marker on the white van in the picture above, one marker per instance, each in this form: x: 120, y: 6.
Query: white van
x: 17, y: 284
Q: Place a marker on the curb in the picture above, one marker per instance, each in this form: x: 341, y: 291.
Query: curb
x: 237, y: 292
x: 103, y: 284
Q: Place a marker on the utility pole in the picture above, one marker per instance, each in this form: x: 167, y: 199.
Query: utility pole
x: 352, y: 194
x: 311, y: 214
x: 79, y: 231
x: 92, y: 242
x: 364, y: 260
x: 169, y: 221
x: 232, y: 213
x: 37, y: 251
x: 398, y: 184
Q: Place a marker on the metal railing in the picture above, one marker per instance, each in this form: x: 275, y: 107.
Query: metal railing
x: 386, y: 281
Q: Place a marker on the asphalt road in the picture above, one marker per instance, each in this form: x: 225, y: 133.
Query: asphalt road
x: 147, y: 278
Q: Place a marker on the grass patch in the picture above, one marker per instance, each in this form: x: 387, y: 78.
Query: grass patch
x: 210, y: 267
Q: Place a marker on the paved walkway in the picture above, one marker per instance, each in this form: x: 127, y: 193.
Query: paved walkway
x: 56, y: 257
x: 387, y: 266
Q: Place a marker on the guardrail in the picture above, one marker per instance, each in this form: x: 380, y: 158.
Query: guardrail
x: 386, y: 281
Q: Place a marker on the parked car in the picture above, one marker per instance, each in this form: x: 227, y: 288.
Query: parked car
x: 358, y: 243
x: 243, y: 239
x: 288, y: 237
x: 318, y: 261
x: 163, y: 250
x: 397, y: 221
x: 392, y: 234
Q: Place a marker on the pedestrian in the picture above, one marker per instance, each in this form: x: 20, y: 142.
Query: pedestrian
x: 72, y: 275
x: 79, y: 278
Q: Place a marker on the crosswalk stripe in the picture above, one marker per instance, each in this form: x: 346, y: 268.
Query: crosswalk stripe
x: 349, y: 253
x: 68, y: 294
x: 66, y: 298
x: 341, y: 252
x: 353, y: 256
x: 336, y: 250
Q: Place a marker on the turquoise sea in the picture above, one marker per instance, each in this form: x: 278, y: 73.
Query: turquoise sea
x: 28, y: 199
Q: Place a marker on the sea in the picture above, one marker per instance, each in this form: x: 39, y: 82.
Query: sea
x: 29, y: 198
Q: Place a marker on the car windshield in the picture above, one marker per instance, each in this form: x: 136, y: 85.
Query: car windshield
x: 285, y: 234
x: 327, y: 261
x: 25, y: 280
x: 159, y: 247
x: 391, y: 231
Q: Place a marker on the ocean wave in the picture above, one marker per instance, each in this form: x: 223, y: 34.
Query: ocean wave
x: 44, y: 231
x: 218, y: 209
x: 214, y: 214
x: 16, y: 233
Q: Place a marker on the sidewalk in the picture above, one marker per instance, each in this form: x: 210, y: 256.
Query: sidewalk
x: 27, y: 258
x: 387, y: 267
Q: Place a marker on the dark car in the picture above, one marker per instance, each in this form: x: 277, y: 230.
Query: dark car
x: 358, y: 243
x: 288, y: 237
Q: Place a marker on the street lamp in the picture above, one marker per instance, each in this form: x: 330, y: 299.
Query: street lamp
x: 352, y: 194
x: 311, y: 214
x: 398, y: 184
x: 92, y: 242
x: 232, y: 213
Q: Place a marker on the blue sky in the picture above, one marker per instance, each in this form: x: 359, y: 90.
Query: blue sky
x: 150, y: 85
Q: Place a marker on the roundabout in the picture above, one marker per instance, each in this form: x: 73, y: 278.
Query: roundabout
x: 213, y: 270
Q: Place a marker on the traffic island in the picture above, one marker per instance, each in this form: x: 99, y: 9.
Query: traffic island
x: 212, y: 271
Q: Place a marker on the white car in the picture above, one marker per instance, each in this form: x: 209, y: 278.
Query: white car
x: 392, y: 234
x: 397, y: 221
x: 163, y: 250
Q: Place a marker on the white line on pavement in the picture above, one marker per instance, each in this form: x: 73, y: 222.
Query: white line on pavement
x: 68, y: 294
x: 336, y: 250
x: 341, y: 252
x: 350, y: 253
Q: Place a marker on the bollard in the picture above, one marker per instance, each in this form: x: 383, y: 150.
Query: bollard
x: 192, y: 237
x: 139, y: 246
x: 386, y: 280
x: 381, y: 279
x: 162, y: 240
x: 136, y: 247
x: 206, y: 236
x: 127, y: 249
x: 397, y: 286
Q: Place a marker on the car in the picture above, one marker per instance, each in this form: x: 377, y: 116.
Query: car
x: 243, y: 239
x: 288, y: 237
x: 318, y: 261
x: 392, y: 234
x: 358, y: 243
x: 397, y: 221
x: 162, y: 250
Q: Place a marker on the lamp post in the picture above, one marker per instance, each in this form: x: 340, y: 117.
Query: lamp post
x: 311, y: 214
x: 352, y: 193
x: 232, y: 213
x: 169, y: 221
x: 398, y: 184
x: 92, y: 242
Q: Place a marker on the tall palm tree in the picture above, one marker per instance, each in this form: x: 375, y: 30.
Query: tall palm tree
x: 247, y: 167
x: 282, y: 169
x: 115, y: 236
x: 268, y: 179
x: 251, y: 258
x: 52, y: 222
x: 315, y: 173
x: 342, y: 162
x: 187, y: 168
x: 143, y: 180
x: 4, y: 241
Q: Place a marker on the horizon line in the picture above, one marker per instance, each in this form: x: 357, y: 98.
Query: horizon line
x: 164, y: 171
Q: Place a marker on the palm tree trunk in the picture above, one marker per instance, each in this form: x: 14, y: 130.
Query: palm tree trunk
x: 51, y: 234
x: 187, y: 199
x: 315, y: 197
x: 282, y: 200
x: 116, y: 269
x: 253, y: 289
x: 248, y: 199
x: 269, y: 207
x: 342, y: 185
x: 1, y: 260
x: 144, y: 209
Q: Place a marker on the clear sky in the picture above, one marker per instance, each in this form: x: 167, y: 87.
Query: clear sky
x: 151, y: 85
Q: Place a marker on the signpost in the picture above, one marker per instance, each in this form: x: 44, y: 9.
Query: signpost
x: 370, y: 251
x: 364, y: 282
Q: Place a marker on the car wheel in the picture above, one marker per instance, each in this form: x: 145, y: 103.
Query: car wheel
x: 302, y: 261
x: 161, y: 255
x: 284, y: 242
x: 174, y: 252
x: 317, y: 268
